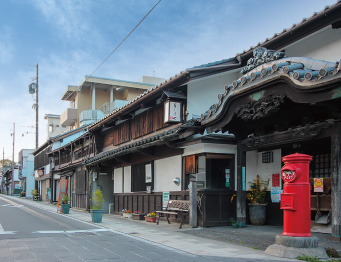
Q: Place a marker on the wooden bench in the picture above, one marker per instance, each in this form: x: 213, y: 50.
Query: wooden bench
x: 174, y: 207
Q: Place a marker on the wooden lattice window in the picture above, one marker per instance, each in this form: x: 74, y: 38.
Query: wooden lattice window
x: 320, y: 166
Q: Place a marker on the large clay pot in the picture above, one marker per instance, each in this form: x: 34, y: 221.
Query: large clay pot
x: 257, y: 214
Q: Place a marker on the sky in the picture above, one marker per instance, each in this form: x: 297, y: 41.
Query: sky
x: 69, y: 39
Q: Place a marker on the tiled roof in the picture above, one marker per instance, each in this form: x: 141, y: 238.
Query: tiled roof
x: 215, y: 63
x: 69, y: 132
x: 293, y: 27
x: 303, y: 72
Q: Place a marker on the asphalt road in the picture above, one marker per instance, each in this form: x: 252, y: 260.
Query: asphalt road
x: 32, y: 234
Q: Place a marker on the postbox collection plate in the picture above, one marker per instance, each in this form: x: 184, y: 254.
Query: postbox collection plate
x: 288, y: 201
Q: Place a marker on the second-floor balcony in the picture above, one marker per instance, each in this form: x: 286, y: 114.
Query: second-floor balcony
x: 90, y: 116
x: 68, y: 117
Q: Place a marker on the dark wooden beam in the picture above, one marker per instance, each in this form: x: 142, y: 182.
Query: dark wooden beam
x: 122, y: 159
x: 147, y: 151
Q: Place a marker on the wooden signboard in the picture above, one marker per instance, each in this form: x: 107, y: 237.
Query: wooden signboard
x: 62, y: 194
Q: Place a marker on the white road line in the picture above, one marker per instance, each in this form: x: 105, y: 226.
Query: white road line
x: 7, y: 232
x: 70, y: 231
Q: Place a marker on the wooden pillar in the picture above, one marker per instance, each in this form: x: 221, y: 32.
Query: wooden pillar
x: 241, y: 199
x: 336, y: 181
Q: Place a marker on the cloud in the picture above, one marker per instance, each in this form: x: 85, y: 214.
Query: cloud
x: 70, y: 18
x: 7, y: 46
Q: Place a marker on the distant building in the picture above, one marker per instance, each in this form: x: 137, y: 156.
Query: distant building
x: 26, y: 171
x: 54, y: 128
x: 96, y: 97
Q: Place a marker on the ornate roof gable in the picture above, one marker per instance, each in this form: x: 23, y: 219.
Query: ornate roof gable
x: 261, y: 55
x: 303, y: 72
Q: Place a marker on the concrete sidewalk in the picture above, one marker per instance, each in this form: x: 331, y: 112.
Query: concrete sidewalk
x: 249, y: 242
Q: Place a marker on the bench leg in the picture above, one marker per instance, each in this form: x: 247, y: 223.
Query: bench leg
x: 168, y: 218
x: 182, y: 216
x: 158, y: 218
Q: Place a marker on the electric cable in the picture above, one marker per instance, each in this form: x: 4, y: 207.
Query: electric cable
x: 118, y: 46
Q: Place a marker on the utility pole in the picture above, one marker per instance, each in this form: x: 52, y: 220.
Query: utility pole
x: 13, y: 159
x: 3, y: 169
x: 37, y: 110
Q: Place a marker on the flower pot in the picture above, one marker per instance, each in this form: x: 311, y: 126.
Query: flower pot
x: 127, y: 215
x: 150, y: 219
x: 257, y: 214
x: 235, y: 225
x: 138, y: 216
x: 97, y: 215
x: 66, y: 208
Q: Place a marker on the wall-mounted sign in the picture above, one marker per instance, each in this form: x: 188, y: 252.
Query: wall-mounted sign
x: 276, y: 194
x: 318, y: 185
x: 172, y: 112
x: 148, y: 173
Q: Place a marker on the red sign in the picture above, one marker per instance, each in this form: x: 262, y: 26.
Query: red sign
x: 288, y: 175
x: 275, y: 180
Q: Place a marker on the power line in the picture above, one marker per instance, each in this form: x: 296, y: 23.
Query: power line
x: 124, y: 39
x: 118, y: 46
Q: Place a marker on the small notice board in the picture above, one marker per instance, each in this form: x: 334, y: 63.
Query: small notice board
x: 165, y: 199
x: 318, y: 185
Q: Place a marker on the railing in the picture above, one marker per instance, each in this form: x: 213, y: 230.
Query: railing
x: 90, y: 116
x: 105, y: 108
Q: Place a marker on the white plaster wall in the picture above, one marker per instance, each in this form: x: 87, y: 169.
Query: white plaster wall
x: 127, y: 179
x: 210, y: 148
x: 165, y: 170
x: 324, y: 45
x: 118, y: 179
x: 254, y: 166
x: 203, y: 93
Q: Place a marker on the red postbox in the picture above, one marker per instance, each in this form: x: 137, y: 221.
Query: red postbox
x: 295, y: 199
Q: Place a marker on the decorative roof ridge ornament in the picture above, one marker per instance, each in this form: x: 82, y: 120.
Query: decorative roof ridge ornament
x: 261, y: 55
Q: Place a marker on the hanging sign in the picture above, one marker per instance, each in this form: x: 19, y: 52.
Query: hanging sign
x: 318, y: 185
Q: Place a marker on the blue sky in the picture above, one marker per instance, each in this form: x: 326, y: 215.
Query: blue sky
x: 70, y: 38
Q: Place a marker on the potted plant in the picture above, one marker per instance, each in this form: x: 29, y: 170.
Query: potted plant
x: 257, y: 199
x: 66, y: 204
x: 97, y: 203
x: 234, y: 223
x: 126, y: 213
x: 150, y: 217
x: 138, y: 215
x: 34, y: 193
x: 22, y: 194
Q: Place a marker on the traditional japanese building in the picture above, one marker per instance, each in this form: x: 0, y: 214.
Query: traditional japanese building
x: 283, y: 102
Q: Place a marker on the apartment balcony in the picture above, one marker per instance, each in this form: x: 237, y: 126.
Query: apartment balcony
x: 90, y: 116
x: 68, y: 117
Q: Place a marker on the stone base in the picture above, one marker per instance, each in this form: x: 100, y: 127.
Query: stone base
x: 293, y: 247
